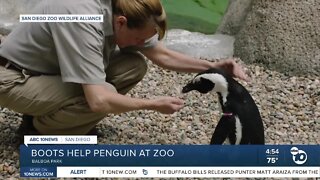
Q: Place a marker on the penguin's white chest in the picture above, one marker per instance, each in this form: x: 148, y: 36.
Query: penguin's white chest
x: 238, y: 130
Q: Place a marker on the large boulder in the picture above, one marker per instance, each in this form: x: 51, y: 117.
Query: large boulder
x: 282, y: 35
x: 234, y: 17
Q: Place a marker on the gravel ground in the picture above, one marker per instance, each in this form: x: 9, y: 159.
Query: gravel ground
x: 290, y: 108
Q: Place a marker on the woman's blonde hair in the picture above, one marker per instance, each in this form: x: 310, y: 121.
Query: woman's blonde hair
x: 139, y: 12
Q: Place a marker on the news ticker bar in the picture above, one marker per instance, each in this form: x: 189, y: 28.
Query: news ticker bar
x: 172, y: 172
x: 169, y: 155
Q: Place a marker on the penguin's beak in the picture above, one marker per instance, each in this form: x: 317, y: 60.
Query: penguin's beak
x: 189, y: 87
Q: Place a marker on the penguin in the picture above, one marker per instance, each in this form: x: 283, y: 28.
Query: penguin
x: 240, y: 122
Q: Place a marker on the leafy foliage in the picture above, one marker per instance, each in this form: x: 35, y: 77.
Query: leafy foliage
x: 195, y: 15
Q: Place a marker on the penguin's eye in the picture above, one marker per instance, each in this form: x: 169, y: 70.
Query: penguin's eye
x: 196, y: 80
x: 205, y: 85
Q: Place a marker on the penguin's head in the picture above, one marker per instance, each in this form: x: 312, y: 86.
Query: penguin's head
x: 210, y: 80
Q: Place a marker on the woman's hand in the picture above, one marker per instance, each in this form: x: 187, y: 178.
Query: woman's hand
x: 233, y: 68
x: 167, y: 105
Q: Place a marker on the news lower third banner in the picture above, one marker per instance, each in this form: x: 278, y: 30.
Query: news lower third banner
x: 83, y: 160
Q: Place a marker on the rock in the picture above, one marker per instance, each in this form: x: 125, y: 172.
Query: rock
x: 282, y: 35
x: 11, y: 170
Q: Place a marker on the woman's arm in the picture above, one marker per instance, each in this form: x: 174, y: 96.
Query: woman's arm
x: 176, y: 61
x: 102, y: 99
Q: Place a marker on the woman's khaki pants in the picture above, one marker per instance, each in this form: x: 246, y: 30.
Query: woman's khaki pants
x: 61, y: 108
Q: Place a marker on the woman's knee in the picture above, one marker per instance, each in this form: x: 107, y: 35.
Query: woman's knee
x: 140, y: 66
x: 126, y: 66
x: 75, y: 117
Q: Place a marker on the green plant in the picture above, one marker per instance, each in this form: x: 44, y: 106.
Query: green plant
x: 195, y: 15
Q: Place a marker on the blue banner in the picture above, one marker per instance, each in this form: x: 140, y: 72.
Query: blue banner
x: 49, y: 156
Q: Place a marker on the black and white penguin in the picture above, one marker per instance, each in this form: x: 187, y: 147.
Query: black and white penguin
x: 240, y: 122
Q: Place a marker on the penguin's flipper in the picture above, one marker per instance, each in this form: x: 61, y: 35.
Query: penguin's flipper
x: 225, y: 126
